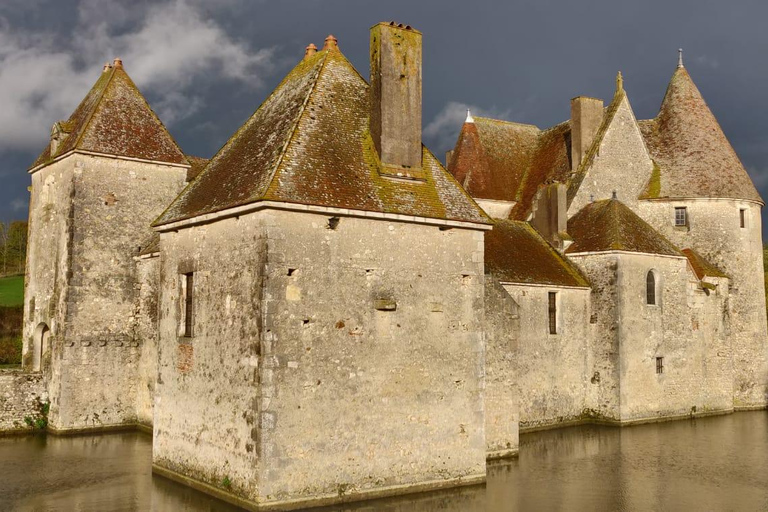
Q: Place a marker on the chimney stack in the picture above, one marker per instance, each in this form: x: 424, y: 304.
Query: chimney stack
x: 118, y: 64
x: 331, y: 43
x: 310, y: 51
x: 586, y: 117
x: 395, y: 120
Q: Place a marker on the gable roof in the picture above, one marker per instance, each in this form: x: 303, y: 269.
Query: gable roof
x: 308, y: 143
x: 115, y: 119
x: 694, y: 156
x: 516, y: 253
x: 609, y: 225
x: 701, y: 266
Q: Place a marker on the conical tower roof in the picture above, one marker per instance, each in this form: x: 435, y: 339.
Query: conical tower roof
x: 114, y: 119
x: 693, y: 154
x: 308, y: 144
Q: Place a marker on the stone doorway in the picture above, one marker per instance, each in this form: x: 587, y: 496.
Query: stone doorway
x: 39, y: 345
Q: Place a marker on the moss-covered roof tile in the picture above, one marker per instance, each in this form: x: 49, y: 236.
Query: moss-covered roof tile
x: 516, y: 253
x: 701, y: 266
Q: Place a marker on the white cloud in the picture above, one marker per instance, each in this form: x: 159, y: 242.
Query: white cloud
x: 443, y: 130
x: 18, y: 205
x: 167, y: 48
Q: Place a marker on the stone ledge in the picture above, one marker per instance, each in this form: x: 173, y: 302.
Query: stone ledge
x: 329, y: 499
x: 501, y: 454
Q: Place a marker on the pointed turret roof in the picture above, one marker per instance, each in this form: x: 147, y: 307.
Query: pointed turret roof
x: 115, y: 119
x: 609, y: 225
x: 694, y: 157
x: 308, y: 144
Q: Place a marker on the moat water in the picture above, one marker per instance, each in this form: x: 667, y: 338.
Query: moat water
x: 718, y: 463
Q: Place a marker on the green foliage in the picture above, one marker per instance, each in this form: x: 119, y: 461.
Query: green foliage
x: 10, y: 351
x: 12, y: 291
x: 10, y: 335
x: 40, y: 420
x: 226, y: 482
x: 13, y: 247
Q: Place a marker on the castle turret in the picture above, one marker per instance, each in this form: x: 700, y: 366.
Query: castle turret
x: 108, y: 171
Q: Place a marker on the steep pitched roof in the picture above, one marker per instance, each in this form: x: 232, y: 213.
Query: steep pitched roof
x: 695, y: 158
x: 610, y: 225
x: 197, y: 164
x: 115, y: 119
x: 491, y: 157
x: 701, y: 266
x: 308, y: 143
x: 516, y: 253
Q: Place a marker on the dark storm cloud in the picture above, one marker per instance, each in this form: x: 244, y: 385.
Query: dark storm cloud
x: 206, y: 65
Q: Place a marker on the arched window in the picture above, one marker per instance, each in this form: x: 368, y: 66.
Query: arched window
x: 650, y: 288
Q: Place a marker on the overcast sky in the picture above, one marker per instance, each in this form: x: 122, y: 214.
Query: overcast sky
x: 205, y: 66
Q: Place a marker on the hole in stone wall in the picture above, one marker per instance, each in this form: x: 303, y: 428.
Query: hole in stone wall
x: 305, y: 321
x: 333, y: 223
x: 291, y: 271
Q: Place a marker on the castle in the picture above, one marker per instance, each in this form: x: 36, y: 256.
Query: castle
x: 324, y: 312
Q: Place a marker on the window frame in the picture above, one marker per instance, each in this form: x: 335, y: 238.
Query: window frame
x: 684, y: 211
x: 552, y: 323
x: 187, y: 295
x: 651, y: 274
x: 659, y: 365
x: 743, y: 218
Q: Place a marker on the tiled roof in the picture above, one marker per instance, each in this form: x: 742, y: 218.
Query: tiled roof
x: 197, y: 164
x: 610, y: 225
x: 691, y: 150
x: 308, y: 143
x: 151, y: 245
x: 115, y: 119
x: 701, y: 266
x: 516, y: 253
x: 491, y: 157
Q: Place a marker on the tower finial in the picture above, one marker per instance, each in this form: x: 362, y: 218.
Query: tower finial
x: 619, y: 82
x: 680, y: 57
x: 469, y: 119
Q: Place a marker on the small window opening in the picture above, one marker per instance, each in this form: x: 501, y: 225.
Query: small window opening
x: 291, y: 271
x: 189, y: 300
x: 681, y: 216
x: 659, y: 365
x: 650, y: 288
x: 333, y: 223
x: 552, y: 312
x: 743, y: 218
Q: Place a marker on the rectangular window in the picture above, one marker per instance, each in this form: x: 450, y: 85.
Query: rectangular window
x: 743, y: 218
x: 659, y: 365
x: 552, y: 312
x: 189, y: 303
x: 681, y: 216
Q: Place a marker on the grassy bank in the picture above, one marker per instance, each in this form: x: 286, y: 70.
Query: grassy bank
x: 11, y: 318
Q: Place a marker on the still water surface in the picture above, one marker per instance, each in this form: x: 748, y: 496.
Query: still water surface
x: 716, y: 463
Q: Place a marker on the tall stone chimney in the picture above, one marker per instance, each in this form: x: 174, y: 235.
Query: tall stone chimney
x: 586, y: 117
x: 395, y: 120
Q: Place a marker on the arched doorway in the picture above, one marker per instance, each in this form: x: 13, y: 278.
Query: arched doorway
x: 39, y: 344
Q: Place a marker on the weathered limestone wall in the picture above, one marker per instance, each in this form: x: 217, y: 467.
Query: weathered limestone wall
x: 502, y: 392
x: 368, y: 372
x: 396, y: 395
x: 602, y: 379
x: 103, y: 208
x: 714, y: 231
x: 22, y: 395
x: 206, y: 417
x: 684, y: 327
x: 551, y: 368
x: 146, y: 332
x: 622, y: 164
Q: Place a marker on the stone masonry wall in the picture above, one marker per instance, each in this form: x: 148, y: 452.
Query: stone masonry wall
x: 146, y: 333
x: 714, y: 231
x: 368, y: 371
x: 551, y: 368
x: 21, y: 396
x: 105, y: 206
x: 502, y: 392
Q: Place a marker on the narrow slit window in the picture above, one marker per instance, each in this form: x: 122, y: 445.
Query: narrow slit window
x: 743, y: 218
x: 650, y: 288
x: 552, y: 312
x: 189, y: 303
x: 659, y: 365
x: 681, y: 216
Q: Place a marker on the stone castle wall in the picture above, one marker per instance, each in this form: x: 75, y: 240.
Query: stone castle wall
x: 146, y: 333
x: 714, y: 231
x: 99, y: 214
x: 357, y: 350
x: 22, y: 396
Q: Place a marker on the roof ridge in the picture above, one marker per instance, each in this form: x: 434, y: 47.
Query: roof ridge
x: 297, y: 121
x: 493, y: 119
x: 567, y: 264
